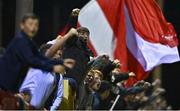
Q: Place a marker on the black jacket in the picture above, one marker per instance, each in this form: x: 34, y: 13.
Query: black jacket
x: 74, y: 49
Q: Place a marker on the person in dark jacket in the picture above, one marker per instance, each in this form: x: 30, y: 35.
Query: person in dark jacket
x: 76, y: 48
x: 21, y: 54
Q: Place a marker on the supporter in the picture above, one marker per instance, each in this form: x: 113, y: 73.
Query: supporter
x: 46, y: 88
x: 22, y: 54
x: 89, y: 99
x: 58, y: 45
x: 76, y: 48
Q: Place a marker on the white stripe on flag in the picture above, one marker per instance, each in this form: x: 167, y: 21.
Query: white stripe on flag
x: 101, y: 34
x: 148, y: 54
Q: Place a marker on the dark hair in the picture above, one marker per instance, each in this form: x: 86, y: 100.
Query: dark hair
x: 29, y: 16
x: 83, y: 29
x: 105, y: 85
x: 44, y: 47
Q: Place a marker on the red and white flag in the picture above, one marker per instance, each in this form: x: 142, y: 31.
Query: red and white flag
x: 133, y: 31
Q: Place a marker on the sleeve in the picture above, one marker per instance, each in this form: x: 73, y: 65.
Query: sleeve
x: 50, y: 61
x: 59, y: 95
x: 26, y: 55
x: 134, y: 90
x: 120, y: 77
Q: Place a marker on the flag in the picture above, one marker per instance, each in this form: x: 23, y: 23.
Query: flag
x: 133, y: 31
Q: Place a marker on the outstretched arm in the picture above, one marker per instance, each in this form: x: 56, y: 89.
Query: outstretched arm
x: 60, y: 41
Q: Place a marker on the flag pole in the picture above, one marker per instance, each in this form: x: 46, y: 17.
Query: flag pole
x: 157, y: 71
x: 116, y: 100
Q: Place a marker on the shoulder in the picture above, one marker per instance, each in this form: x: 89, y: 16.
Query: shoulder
x: 18, y: 41
x: 34, y: 70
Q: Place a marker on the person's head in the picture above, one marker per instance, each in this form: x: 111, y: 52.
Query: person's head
x: 93, y: 79
x: 44, y: 48
x: 100, y: 62
x: 30, y: 24
x: 83, y: 34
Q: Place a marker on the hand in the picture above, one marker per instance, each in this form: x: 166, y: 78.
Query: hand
x: 117, y: 63
x: 132, y: 74
x: 59, y: 69
x: 75, y: 12
x: 73, y: 32
x: 59, y: 37
x: 21, y: 96
x: 69, y: 63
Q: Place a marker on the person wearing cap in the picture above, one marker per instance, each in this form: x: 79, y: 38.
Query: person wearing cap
x: 76, y: 48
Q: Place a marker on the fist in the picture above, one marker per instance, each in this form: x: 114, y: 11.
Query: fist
x: 59, y: 37
x: 117, y: 62
x: 59, y: 69
x: 132, y: 74
x: 75, y: 12
x: 73, y: 32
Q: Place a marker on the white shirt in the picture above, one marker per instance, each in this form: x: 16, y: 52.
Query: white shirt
x: 41, y: 84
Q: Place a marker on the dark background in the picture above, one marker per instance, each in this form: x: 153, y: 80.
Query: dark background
x: 171, y: 73
x: 54, y: 15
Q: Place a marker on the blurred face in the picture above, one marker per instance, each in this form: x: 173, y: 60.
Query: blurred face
x: 96, y: 82
x: 30, y: 27
x: 83, y: 36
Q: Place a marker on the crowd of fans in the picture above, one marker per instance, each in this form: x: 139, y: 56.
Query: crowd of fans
x: 97, y: 82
